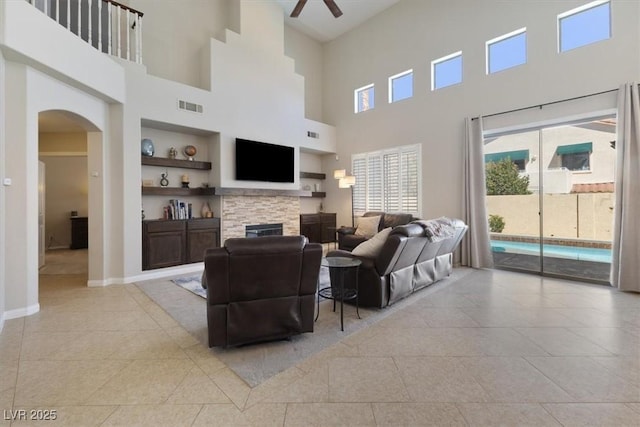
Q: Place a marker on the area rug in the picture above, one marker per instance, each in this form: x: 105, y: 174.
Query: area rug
x: 192, y: 284
x: 259, y: 362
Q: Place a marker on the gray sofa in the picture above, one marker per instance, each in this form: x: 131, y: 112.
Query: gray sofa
x: 410, y: 260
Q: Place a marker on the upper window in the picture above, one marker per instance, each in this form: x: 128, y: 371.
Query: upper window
x: 576, y: 157
x: 387, y: 180
x: 507, y: 51
x: 446, y: 71
x: 364, y: 98
x: 401, y: 86
x: 584, y: 25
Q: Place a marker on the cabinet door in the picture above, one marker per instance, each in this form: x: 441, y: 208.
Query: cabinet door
x: 328, y: 227
x: 163, y: 244
x: 310, y: 227
x: 202, y: 234
x: 311, y: 231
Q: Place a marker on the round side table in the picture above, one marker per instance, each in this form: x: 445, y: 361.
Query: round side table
x: 338, y: 269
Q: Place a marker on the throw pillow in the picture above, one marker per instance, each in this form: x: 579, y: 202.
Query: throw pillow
x: 367, y: 226
x: 372, y: 247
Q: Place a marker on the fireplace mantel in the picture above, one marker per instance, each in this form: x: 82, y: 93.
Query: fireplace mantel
x: 232, y: 191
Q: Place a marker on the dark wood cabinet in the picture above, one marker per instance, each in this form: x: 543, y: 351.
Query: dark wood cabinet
x: 175, y: 242
x: 202, y: 234
x: 319, y: 228
x: 79, y: 232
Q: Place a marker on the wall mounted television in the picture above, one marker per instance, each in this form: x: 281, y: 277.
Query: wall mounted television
x: 260, y: 161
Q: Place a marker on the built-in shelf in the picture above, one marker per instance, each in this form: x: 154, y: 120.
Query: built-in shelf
x: 228, y: 191
x: 317, y: 194
x: 175, y: 163
x: 177, y: 191
x: 313, y: 175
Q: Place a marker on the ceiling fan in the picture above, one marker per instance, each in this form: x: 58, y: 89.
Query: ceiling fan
x: 333, y: 7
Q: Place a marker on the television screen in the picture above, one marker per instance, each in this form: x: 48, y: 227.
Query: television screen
x: 259, y: 161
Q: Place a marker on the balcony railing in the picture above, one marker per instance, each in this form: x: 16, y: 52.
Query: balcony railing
x: 107, y: 25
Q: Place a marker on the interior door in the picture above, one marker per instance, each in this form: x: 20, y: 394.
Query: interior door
x: 41, y: 210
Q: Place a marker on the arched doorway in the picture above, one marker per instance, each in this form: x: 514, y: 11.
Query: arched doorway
x: 64, y: 213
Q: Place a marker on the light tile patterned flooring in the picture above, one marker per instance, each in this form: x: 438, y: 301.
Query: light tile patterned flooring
x: 496, y: 348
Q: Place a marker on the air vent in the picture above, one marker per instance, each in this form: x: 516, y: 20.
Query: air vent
x: 189, y: 106
x: 315, y: 135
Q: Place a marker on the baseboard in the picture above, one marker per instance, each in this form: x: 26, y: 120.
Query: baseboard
x: 159, y: 273
x: 162, y: 273
x: 1, y: 321
x: 21, y: 312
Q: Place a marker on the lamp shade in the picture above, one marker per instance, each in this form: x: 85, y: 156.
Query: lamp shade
x: 339, y: 173
x: 347, y: 181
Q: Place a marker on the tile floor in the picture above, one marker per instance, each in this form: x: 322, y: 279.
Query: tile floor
x: 495, y: 348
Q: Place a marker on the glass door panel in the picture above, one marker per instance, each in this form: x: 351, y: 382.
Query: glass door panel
x: 578, y: 163
x: 511, y: 165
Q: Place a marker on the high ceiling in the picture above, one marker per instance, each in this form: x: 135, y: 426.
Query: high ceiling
x: 317, y: 21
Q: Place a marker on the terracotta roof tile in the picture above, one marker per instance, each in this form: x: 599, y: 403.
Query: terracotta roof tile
x: 601, y: 187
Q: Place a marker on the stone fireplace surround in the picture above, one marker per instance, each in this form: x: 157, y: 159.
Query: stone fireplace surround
x: 238, y: 211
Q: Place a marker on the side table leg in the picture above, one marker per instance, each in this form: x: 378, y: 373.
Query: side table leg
x: 357, y: 295
x: 318, y: 300
x: 341, y: 301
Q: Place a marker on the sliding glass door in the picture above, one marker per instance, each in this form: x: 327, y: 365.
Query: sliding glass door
x: 558, y: 210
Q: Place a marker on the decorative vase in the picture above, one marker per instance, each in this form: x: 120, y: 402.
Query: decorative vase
x: 147, y: 148
x: 190, y: 151
x: 205, y: 212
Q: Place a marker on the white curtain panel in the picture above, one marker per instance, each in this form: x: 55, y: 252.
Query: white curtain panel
x: 476, y: 248
x: 625, y: 261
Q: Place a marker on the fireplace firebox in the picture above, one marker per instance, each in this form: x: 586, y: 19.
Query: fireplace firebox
x: 260, y: 230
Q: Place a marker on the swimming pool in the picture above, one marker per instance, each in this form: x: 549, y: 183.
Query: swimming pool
x: 555, y: 251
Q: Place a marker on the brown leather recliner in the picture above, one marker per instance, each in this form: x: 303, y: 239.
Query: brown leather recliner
x: 260, y: 289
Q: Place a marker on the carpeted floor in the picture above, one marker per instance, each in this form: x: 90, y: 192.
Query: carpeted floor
x: 257, y: 363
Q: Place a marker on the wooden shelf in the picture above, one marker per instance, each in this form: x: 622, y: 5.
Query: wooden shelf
x: 317, y: 194
x: 175, y: 163
x: 177, y: 191
x: 227, y: 191
x: 313, y: 175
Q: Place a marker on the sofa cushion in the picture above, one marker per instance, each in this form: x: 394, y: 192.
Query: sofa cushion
x: 367, y: 226
x: 372, y: 247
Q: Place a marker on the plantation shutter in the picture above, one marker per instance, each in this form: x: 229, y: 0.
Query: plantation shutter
x: 391, y: 178
x: 359, y: 170
x: 409, y: 180
x: 374, y: 183
x: 387, y: 180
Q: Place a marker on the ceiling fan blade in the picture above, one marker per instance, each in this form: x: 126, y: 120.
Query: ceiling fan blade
x: 333, y: 7
x: 296, y: 10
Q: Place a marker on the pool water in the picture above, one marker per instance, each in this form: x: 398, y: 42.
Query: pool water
x: 554, y: 251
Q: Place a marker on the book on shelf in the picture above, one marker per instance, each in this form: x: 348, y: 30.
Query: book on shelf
x: 178, y: 209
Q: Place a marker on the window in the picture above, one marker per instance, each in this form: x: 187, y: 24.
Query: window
x: 387, y: 180
x: 446, y: 71
x: 364, y: 98
x: 509, y: 50
x: 575, y: 157
x: 401, y: 86
x: 584, y: 25
x: 519, y: 157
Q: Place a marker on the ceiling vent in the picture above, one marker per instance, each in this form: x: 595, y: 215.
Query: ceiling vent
x: 311, y: 134
x: 189, y: 106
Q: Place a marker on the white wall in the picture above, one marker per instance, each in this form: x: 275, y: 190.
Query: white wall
x: 412, y: 33
x: 31, y: 92
x: 307, y: 54
x: 174, y: 34
x: 2, y: 189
